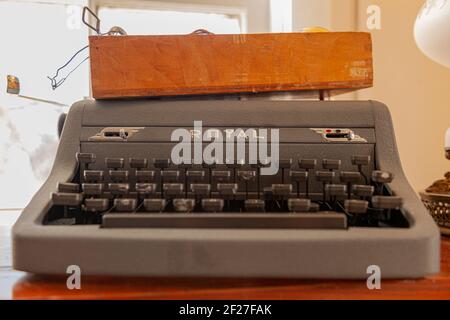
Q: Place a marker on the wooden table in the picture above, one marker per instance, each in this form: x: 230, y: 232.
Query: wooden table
x: 19, y: 285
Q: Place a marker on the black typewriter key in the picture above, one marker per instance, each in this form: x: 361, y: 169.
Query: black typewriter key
x: 254, y: 205
x: 350, y: 178
x: 234, y: 165
x: 307, y: 164
x: 170, y: 175
x: 335, y: 191
x: 210, y: 166
x: 201, y: 190
x: 227, y: 190
x: 93, y: 176
x: 300, y: 177
x: 358, y: 160
x: 119, y: 189
x: 139, y: 164
x: 326, y: 177
x: 92, y: 189
x: 363, y: 191
x: 221, y: 175
x: 125, y: 205
x: 186, y: 166
x: 246, y: 177
x: 161, y: 163
x: 262, y: 163
x: 281, y: 191
x: 86, y: 158
x: 195, y: 175
x: 268, y: 193
x: 212, y: 205
x: 118, y: 175
x: 356, y: 206
x: 172, y: 190
x: 184, y: 205
x: 331, y: 164
x: 299, y: 205
x: 361, y: 161
x: 387, y: 202
x: 284, y: 164
x: 67, y: 199
x: 380, y: 178
x: 154, y: 205
x: 66, y: 187
x: 314, y: 207
x: 145, y: 176
x: 114, y: 163
x: 96, y: 205
x: 145, y: 190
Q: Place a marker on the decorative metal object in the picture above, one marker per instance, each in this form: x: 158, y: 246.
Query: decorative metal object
x: 436, y: 198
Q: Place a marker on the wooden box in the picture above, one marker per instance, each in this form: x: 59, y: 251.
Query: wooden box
x: 197, y: 64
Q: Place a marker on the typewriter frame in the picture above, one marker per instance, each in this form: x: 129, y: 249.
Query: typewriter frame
x: 400, y: 253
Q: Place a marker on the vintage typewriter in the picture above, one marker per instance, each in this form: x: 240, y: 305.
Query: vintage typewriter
x: 116, y: 202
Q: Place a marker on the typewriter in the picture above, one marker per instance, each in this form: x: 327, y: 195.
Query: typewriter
x: 117, y: 202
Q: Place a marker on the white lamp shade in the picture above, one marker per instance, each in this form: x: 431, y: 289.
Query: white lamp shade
x: 432, y: 30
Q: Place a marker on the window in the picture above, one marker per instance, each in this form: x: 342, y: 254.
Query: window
x: 40, y: 36
x: 36, y: 39
x: 136, y: 21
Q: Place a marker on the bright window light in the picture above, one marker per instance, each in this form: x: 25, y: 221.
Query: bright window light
x: 37, y: 38
x: 281, y: 15
x: 138, y: 22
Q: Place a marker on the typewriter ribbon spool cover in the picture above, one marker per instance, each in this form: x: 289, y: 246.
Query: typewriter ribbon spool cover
x: 197, y: 64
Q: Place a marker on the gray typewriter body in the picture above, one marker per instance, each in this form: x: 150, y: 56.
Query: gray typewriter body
x: 410, y: 250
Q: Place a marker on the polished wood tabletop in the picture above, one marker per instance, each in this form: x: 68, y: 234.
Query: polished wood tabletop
x: 19, y: 285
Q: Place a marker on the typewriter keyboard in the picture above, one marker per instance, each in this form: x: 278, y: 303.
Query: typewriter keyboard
x: 154, y: 193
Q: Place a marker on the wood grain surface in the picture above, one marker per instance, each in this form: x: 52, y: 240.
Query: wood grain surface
x: 19, y: 285
x: 195, y: 64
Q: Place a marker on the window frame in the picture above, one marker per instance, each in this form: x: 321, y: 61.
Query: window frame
x: 236, y: 12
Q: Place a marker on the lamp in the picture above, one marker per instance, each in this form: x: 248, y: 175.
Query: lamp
x: 432, y: 34
x: 432, y: 31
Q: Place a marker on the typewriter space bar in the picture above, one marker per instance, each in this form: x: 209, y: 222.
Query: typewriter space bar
x: 321, y: 220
